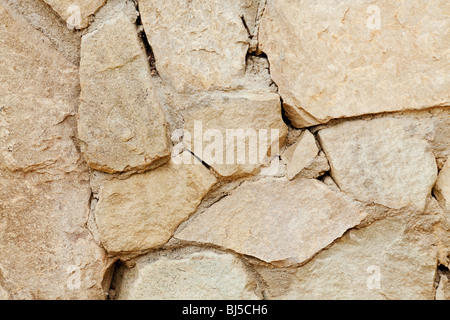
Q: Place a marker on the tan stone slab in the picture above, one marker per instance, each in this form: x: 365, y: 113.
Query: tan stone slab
x: 275, y: 220
x: 336, y: 61
x: 378, y: 161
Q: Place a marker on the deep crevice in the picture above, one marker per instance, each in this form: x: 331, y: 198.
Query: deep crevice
x: 148, y: 49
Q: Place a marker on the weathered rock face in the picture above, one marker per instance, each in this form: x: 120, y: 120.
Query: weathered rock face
x: 76, y: 12
x: 355, y: 57
x: 390, y: 259
x: 257, y: 220
x: 224, y: 149
x: 200, y: 44
x: 194, y: 276
x: 234, y: 133
x: 121, y: 124
x: 382, y: 163
x: 143, y: 211
x: 45, y: 250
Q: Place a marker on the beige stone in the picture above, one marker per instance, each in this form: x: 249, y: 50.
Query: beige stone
x: 378, y: 161
x: 318, y: 167
x: 275, y: 220
x: 392, y: 259
x: 76, y: 12
x: 45, y: 250
x: 120, y: 123
x: 301, y: 154
x: 200, y: 44
x: 143, y: 211
x: 332, y: 61
x: 43, y: 18
x: 256, y: 120
x: 201, y: 275
x: 443, y: 289
x: 442, y: 187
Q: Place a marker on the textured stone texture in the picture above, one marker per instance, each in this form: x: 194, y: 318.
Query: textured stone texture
x: 442, y: 187
x: 200, y: 44
x: 43, y: 18
x: 76, y: 12
x: 353, y: 205
x: 330, y: 63
x: 196, y: 276
x: 381, y: 163
x: 390, y: 259
x: 121, y: 124
x: 258, y: 220
x: 143, y: 211
x: 238, y: 111
x: 44, y: 188
x: 300, y: 155
x: 443, y: 290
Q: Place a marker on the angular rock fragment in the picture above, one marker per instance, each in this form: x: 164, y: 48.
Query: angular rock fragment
x: 391, y: 259
x: 121, y: 124
x: 378, y: 161
x: 201, y: 275
x: 233, y: 133
x: 143, y: 211
x: 45, y: 250
x: 76, y: 12
x: 301, y: 154
x: 275, y: 220
x: 318, y: 167
x: 442, y: 187
x: 443, y: 289
x: 356, y: 57
x: 200, y: 44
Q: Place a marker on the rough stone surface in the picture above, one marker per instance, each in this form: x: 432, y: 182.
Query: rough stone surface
x: 107, y: 190
x: 258, y: 220
x: 121, y: 124
x: 210, y: 122
x: 443, y: 290
x: 331, y: 61
x: 143, y: 211
x: 200, y: 44
x: 202, y: 275
x: 381, y: 163
x: 318, y: 167
x: 390, y: 259
x: 301, y: 154
x: 45, y: 250
x: 442, y: 187
x: 76, y: 12
x: 43, y: 18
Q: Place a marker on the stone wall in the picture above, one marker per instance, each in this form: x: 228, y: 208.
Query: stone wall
x: 224, y: 149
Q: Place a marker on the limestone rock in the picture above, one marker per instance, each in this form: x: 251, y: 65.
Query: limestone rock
x: 43, y: 18
x: 201, y: 275
x: 318, y: 167
x: 45, y: 250
x: 76, y: 12
x: 234, y: 132
x: 443, y: 289
x: 390, y: 259
x: 354, y: 57
x: 301, y: 154
x: 121, y: 124
x: 275, y: 220
x: 377, y: 161
x: 200, y: 44
x: 442, y: 187
x: 143, y: 211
